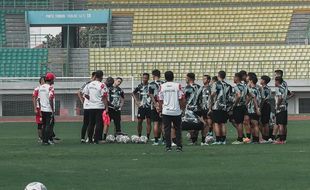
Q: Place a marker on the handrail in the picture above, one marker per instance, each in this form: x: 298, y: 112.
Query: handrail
x: 138, y: 40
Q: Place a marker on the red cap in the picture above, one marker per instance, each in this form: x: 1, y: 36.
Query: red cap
x: 50, y: 76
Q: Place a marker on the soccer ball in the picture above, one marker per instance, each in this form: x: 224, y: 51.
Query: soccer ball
x: 125, y: 139
x: 110, y: 139
x: 135, y: 139
x: 143, y: 139
x: 209, y: 139
x: 119, y: 138
x: 35, y: 186
x: 188, y: 136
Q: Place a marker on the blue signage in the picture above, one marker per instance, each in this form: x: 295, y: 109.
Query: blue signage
x: 68, y: 17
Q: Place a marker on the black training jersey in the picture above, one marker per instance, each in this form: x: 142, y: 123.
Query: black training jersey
x: 154, y: 88
x: 115, y: 96
x: 203, y: 97
x: 191, y: 95
x: 143, y: 91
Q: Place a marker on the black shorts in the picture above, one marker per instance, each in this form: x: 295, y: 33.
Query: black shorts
x: 254, y: 116
x: 281, y: 118
x: 205, y: 114
x: 266, y: 110
x: 199, y: 113
x: 219, y: 116
x: 40, y: 126
x: 155, y: 116
x: 238, y: 114
x: 144, y: 112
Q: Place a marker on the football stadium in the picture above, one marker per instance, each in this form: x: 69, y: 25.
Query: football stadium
x: 145, y: 94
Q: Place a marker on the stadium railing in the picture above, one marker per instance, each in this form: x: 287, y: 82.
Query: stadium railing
x: 99, y: 4
x: 151, y: 40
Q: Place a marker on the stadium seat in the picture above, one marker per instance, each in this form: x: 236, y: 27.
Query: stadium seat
x: 19, y: 62
x: 209, y: 25
x: 201, y: 60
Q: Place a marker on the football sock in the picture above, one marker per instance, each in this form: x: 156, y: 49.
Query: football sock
x: 156, y: 139
x: 218, y: 138
x: 148, y: 136
x: 284, y: 137
x: 223, y: 138
x: 240, y: 139
x: 139, y: 134
x: 203, y: 139
x: 265, y: 138
x: 104, y: 136
x: 273, y: 137
x: 174, y: 140
x: 255, y: 139
x: 248, y: 135
x: 281, y: 137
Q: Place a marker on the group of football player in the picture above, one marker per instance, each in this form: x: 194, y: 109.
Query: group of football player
x: 247, y: 104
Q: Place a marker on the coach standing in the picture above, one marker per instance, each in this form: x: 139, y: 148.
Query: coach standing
x: 97, y: 94
x: 171, y: 100
x: 46, y: 98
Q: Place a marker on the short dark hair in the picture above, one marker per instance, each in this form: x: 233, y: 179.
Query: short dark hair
x: 265, y: 78
x: 279, y: 72
x: 93, y: 74
x: 99, y: 74
x: 222, y: 74
x: 238, y: 75
x: 191, y: 76
x: 252, y: 75
x: 119, y: 78
x: 169, y: 76
x: 146, y: 74
x: 279, y: 79
x: 243, y: 73
x: 156, y: 73
x: 109, y: 81
x: 42, y: 77
x: 207, y: 76
x: 214, y: 78
x: 254, y: 80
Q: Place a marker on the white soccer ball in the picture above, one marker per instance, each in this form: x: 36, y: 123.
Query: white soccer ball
x: 119, y: 138
x: 143, y: 139
x: 125, y: 139
x: 209, y: 139
x: 35, y: 186
x: 188, y: 136
x: 110, y: 139
x: 135, y: 139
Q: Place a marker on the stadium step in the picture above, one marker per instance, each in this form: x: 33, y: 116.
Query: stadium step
x: 298, y: 29
x: 121, y: 30
x: 15, y: 30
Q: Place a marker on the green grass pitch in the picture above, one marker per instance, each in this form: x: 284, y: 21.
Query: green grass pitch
x: 74, y: 166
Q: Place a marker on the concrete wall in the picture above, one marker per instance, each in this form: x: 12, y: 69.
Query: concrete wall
x: 18, y: 93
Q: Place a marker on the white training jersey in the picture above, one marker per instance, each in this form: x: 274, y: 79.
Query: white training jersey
x: 171, y: 93
x: 96, y: 91
x: 45, y: 95
x: 85, y: 104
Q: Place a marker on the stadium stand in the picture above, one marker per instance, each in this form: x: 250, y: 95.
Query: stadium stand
x: 2, y: 28
x: 294, y: 60
x: 209, y: 25
x: 190, y: 1
x: 22, y: 62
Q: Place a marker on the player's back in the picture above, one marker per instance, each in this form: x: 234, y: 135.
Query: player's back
x: 170, y: 93
x: 96, y: 90
x: 45, y: 94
